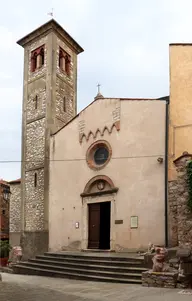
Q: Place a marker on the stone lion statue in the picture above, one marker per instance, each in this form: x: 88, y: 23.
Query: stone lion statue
x: 159, y: 260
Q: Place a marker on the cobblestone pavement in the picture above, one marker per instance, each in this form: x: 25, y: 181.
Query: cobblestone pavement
x: 32, y: 288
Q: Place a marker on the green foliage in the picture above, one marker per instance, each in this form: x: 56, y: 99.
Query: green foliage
x: 4, y: 248
x: 189, y: 182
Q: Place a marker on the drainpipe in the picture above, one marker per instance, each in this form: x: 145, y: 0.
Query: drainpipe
x: 166, y: 170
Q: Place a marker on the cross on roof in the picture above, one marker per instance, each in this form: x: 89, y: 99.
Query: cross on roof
x: 51, y: 13
x: 98, y: 86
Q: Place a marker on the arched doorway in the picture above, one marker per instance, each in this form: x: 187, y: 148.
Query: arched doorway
x: 98, y: 213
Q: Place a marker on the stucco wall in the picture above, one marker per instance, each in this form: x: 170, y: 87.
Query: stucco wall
x: 180, y: 109
x: 136, y: 145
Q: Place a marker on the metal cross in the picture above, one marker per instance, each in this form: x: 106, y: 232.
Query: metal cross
x: 98, y: 86
x: 51, y: 13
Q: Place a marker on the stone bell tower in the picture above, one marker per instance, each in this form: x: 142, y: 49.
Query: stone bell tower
x: 49, y: 102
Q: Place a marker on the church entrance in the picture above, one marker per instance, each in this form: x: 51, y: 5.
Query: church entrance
x: 99, y: 225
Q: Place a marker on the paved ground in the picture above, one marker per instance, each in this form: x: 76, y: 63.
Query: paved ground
x: 32, y: 288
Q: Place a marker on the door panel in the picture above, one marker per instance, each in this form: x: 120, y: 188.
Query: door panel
x: 94, y: 226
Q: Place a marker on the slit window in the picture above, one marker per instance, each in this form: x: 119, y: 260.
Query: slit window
x: 64, y: 104
x: 36, y: 102
x: 67, y: 64
x: 35, y: 179
x: 42, y: 54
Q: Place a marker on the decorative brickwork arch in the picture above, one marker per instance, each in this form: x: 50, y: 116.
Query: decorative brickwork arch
x: 104, y: 183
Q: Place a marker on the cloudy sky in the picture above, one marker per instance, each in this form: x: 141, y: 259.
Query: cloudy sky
x: 126, y: 50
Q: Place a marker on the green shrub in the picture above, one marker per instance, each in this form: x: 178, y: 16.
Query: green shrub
x: 4, y: 248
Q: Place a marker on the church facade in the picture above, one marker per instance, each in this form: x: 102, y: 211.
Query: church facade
x: 106, y: 181
x: 93, y: 180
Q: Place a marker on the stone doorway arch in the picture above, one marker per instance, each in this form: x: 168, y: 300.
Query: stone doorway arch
x: 99, y: 189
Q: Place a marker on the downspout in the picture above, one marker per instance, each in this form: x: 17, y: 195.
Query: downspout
x: 166, y: 171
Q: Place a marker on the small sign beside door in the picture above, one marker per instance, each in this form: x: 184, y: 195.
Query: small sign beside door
x: 77, y: 225
x: 134, y: 222
x: 118, y: 221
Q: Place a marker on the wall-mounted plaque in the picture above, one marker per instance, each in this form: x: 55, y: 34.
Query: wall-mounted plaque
x: 134, y: 222
x: 118, y: 221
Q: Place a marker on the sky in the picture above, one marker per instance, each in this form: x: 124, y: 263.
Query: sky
x: 126, y: 45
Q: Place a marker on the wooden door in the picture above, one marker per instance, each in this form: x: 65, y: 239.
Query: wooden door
x: 94, y: 226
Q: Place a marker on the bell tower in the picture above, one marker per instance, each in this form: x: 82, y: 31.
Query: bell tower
x: 49, y: 102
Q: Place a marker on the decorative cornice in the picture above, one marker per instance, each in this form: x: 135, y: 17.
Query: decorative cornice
x: 50, y: 26
x: 114, y: 190
x: 101, y: 132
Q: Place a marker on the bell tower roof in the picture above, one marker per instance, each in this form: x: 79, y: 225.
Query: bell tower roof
x: 51, y: 25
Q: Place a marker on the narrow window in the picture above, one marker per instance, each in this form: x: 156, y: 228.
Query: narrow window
x: 35, y: 180
x: 37, y: 58
x: 36, y: 102
x: 33, y: 62
x: 64, y: 104
x: 3, y: 212
x: 64, y: 61
x: 67, y: 64
x: 42, y: 56
x: 61, y: 59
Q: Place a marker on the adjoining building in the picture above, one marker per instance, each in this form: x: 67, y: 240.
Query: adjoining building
x: 4, y: 209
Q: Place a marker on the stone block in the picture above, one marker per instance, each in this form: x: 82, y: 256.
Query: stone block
x: 34, y: 243
x: 184, y: 253
x: 184, y: 281
x: 187, y: 267
x: 156, y: 279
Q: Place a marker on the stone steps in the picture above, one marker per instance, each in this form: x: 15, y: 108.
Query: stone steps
x: 92, y: 266
x: 85, y: 267
x: 90, y: 260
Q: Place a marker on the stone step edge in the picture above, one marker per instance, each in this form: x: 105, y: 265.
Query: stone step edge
x: 91, y: 260
x: 81, y: 275
x: 34, y: 265
x: 111, y: 266
x: 94, y: 257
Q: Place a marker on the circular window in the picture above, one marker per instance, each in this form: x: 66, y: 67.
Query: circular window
x: 98, y: 154
x: 101, y: 155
